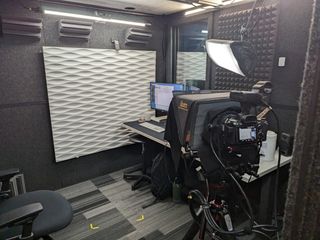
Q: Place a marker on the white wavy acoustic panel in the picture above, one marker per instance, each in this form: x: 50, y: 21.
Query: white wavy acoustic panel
x: 191, y: 65
x: 91, y: 93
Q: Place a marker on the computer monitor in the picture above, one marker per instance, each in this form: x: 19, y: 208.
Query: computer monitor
x: 161, y: 94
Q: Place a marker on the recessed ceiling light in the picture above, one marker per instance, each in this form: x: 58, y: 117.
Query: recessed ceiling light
x: 95, y: 18
x: 193, y: 11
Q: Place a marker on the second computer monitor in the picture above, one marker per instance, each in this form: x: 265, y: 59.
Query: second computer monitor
x: 161, y: 94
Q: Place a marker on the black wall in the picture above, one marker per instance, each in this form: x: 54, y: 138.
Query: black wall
x: 292, y: 37
x: 25, y: 130
x: 294, y: 18
x: 292, y: 42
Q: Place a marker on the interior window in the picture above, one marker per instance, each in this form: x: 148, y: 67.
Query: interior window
x: 191, y: 55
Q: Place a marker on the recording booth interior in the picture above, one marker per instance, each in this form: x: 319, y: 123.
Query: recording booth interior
x: 171, y: 119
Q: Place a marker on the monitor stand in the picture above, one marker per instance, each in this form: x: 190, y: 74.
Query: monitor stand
x: 159, y: 119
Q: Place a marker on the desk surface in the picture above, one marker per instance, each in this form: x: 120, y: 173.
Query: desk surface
x: 135, y: 127
x: 266, y: 167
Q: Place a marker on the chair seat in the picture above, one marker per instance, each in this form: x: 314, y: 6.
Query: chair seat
x: 57, y: 211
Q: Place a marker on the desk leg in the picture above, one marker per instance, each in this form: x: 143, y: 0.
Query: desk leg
x: 266, y: 199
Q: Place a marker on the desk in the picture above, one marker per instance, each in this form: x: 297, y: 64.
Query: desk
x: 265, y: 168
x: 267, y: 185
x: 135, y: 127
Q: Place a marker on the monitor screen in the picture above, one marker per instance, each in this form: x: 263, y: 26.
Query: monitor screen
x: 161, y: 94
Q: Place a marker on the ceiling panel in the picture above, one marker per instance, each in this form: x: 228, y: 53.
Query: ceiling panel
x: 158, y: 7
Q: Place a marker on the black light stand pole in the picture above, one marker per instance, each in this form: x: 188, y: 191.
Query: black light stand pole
x: 192, y: 231
x: 196, y: 227
x: 202, y: 231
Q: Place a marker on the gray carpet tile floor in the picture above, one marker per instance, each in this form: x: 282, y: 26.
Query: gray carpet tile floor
x: 105, y: 208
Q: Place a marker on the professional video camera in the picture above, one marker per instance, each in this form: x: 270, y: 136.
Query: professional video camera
x: 220, y: 134
x: 224, y: 121
x: 235, y: 135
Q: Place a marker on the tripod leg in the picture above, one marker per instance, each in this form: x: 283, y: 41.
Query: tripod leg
x: 192, y: 232
x: 203, y: 227
x: 150, y: 204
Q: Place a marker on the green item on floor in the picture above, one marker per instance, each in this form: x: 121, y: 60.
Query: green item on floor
x: 176, y: 192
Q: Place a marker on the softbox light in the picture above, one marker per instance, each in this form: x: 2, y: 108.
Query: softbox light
x: 238, y: 57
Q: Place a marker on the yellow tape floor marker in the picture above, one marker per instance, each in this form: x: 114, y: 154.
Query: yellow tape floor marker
x: 141, y: 218
x: 93, y: 227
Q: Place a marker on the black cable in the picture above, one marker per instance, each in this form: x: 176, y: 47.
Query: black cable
x: 264, y: 227
x: 262, y: 234
x: 215, y: 226
x: 202, y: 202
x: 235, y: 181
x: 254, y: 226
x: 276, y: 185
x: 275, y: 204
x: 206, y: 211
x: 251, y: 218
x: 212, y: 223
x: 258, y: 17
x: 250, y: 16
x: 244, y: 29
x: 166, y: 166
x: 250, y: 215
x: 215, y: 154
x: 210, y: 220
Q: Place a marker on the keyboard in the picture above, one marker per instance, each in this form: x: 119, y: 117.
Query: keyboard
x: 152, y: 127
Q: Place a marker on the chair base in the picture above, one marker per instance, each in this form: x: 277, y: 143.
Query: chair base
x: 140, y: 182
x: 140, y: 178
x: 128, y: 174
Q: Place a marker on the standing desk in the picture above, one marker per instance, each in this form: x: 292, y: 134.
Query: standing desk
x: 265, y: 167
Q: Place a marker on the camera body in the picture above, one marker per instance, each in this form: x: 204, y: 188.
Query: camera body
x: 240, y: 129
x: 224, y: 121
x: 237, y: 138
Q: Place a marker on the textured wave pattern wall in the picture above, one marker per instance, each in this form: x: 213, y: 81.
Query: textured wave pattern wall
x: 91, y: 93
x: 191, y: 65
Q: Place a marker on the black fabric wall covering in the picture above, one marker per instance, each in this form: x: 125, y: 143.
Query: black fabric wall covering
x: 293, y: 21
x: 262, y: 34
x: 25, y: 131
x: 302, y: 213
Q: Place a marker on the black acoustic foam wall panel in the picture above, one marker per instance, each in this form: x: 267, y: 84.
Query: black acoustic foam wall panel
x: 30, y: 27
x: 75, y: 29
x: 138, y: 36
x: 263, y: 38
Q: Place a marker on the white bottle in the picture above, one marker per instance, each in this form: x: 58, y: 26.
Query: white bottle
x: 268, y: 147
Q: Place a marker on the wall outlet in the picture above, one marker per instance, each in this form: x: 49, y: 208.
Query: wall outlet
x: 282, y: 62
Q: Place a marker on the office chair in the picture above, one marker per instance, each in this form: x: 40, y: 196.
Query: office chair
x: 130, y: 174
x: 32, y: 215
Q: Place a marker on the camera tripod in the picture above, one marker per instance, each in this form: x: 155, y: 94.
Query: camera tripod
x: 201, y: 205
